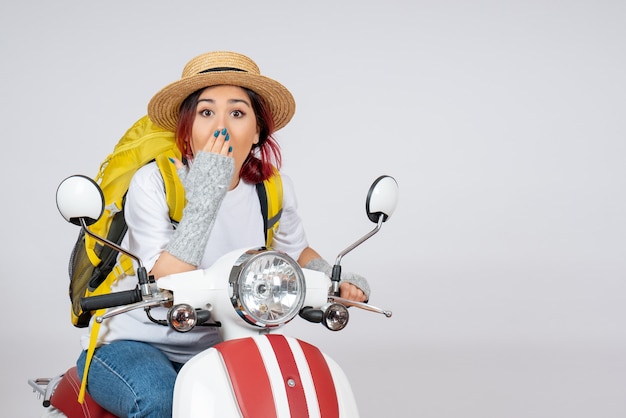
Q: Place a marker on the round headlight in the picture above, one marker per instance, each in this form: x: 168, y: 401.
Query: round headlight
x: 267, y: 287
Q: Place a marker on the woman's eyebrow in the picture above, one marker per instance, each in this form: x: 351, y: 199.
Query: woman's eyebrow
x: 239, y: 101
x: 230, y: 101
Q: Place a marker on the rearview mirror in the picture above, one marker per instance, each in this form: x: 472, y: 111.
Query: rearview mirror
x: 79, y: 197
x: 382, y: 198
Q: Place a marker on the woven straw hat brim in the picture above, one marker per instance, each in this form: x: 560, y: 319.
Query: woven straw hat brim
x: 164, y: 107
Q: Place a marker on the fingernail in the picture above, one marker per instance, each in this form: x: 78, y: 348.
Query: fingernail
x: 224, y: 131
x: 227, y: 137
x: 216, y: 133
x: 171, y: 160
x: 230, y: 149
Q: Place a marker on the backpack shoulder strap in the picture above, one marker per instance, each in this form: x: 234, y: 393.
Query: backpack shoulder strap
x: 270, y: 194
x: 174, y: 190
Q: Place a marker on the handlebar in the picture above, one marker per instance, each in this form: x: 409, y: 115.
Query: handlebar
x: 93, y: 303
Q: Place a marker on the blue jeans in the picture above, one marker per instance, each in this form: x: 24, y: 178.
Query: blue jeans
x: 131, y: 379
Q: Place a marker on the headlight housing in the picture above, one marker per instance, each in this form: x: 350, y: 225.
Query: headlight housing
x: 267, y: 288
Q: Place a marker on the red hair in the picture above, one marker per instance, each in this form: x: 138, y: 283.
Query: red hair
x: 264, y: 157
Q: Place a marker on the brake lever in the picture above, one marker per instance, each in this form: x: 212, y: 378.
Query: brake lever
x: 361, y: 305
x: 155, y: 300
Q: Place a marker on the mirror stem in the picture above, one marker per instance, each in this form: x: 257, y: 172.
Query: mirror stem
x: 336, y: 274
x: 141, y: 271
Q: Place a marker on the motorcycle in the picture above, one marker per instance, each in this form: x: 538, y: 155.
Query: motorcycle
x: 250, y: 295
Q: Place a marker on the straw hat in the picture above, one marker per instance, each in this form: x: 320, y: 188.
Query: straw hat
x: 220, y: 68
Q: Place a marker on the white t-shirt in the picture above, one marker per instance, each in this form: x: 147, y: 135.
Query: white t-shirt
x: 239, y: 224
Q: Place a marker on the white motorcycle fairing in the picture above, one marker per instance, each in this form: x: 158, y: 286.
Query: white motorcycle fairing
x: 266, y: 376
x: 208, y: 288
x: 256, y: 372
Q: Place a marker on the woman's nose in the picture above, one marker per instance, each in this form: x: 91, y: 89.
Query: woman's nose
x: 222, y: 120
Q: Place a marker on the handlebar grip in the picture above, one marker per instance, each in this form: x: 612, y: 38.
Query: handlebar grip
x: 126, y: 297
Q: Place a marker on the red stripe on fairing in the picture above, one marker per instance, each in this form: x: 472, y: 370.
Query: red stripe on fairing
x: 289, y: 370
x: 248, y: 378
x: 323, y: 381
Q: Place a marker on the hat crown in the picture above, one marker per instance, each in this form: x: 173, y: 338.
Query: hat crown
x: 220, y: 61
x: 220, y: 68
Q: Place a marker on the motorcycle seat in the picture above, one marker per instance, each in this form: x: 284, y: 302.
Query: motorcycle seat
x: 65, y: 399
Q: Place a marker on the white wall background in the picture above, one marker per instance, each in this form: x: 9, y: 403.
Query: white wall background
x: 503, y: 122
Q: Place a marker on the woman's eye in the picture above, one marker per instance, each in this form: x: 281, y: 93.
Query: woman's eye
x: 206, y: 112
x: 237, y: 113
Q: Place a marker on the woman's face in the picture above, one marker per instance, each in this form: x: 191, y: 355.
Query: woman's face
x: 227, y: 107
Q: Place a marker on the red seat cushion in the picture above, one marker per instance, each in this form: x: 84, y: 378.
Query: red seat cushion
x: 65, y: 399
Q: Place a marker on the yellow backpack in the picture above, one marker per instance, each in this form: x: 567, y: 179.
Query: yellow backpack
x: 94, y: 267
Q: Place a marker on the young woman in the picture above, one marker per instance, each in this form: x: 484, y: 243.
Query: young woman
x: 224, y: 113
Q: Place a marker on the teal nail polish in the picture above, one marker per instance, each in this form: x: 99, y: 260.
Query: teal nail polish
x: 216, y: 133
x: 224, y: 131
x: 171, y: 160
x: 227, y: 137
x: 230, y: 149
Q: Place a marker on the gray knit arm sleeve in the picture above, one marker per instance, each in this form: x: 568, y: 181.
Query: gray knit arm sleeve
x: 206, y: 183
